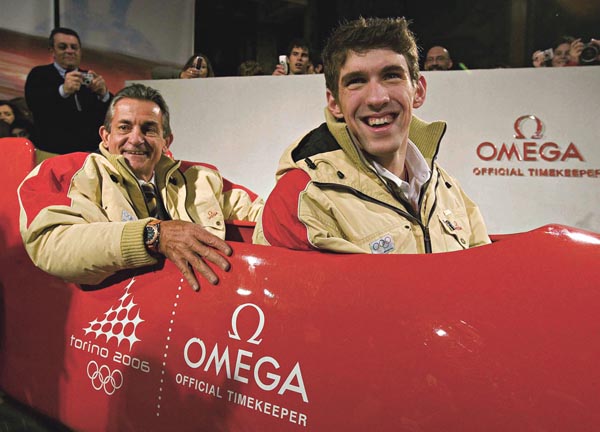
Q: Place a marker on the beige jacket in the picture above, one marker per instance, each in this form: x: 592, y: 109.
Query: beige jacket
x: 83, y: 215
x: 329, y: 197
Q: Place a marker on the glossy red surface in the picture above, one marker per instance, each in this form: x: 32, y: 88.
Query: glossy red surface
x: 497, y: 338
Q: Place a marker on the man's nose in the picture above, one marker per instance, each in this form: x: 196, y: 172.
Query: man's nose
x: 377, y: 94
x: 136, y: 136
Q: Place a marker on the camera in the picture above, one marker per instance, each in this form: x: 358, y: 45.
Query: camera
x: 283, y: 62
x: 589, y: 53
x: 547, y: 54
x: 87, y: 78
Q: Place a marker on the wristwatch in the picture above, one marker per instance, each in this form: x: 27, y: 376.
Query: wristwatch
x: 152, y: 235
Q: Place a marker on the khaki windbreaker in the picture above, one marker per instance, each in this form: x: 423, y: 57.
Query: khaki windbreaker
x: 345, y: 206
x: 83, y: 215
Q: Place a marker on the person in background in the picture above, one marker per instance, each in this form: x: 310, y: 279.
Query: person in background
x: 197, y: 66
x: 298, y: 55
x: 250, y: 68
x: 438, y: 58
x: 366, y: 180
x: 14, y: 123
x: 86, y: 217
x: 68, y: 103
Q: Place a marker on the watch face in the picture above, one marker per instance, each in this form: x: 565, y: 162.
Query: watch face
x: 150, y: 234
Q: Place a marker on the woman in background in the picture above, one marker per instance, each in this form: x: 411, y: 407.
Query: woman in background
x: 197, y: 66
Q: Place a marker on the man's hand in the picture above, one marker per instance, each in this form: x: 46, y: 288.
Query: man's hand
x: 73, y: 81
x: 189, y: 246
x: 98, y: 85
x: 279, y: 70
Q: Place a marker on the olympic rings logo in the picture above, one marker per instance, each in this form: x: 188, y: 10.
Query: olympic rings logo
x: 103, y: 378
x: 383, y: 243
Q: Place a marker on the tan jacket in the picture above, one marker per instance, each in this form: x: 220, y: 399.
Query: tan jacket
x: 329, y: 197
x: 83, y: 215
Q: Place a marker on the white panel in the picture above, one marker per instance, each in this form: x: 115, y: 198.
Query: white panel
x: 33, y: 17
x: 243, y: 124
x: 158, y: 30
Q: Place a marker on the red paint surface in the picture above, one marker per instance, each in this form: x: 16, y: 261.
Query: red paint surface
x: 497, y: 338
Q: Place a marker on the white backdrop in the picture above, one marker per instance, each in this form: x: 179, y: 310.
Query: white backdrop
x: 243, y: 124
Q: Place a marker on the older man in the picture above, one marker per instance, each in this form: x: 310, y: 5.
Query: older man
x: 84, y: 217
x: 438, y: 58
x: 68, y: 103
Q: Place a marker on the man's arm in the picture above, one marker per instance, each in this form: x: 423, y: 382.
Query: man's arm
x: 240, y: 203
x: 67, y: 232
x: 281, y: 224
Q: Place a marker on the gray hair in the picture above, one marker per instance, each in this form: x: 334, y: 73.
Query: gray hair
x: 140, y: 92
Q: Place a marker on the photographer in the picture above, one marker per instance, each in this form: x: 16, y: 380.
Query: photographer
x: 569, y: 52
x: 68, y: 103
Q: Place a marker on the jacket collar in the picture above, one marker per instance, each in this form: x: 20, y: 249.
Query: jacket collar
x: 162, y: 170
x: 426, y: 136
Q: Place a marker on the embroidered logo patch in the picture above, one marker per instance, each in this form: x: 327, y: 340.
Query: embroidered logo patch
x: 125, y: 216
x: 383, y: 245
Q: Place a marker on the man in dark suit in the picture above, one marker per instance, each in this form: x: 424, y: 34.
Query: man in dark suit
x: 68, y: 104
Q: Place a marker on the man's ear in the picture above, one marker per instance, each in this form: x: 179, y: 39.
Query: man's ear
x: 104, y: 135
x: 333, y: 106
x: 168, y: 142
x: 420, y: 92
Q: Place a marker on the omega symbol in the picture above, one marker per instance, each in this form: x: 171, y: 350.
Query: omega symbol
x: 233, y: 333
x: 539, y: 131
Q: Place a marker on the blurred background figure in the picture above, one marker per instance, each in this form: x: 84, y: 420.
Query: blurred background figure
x: 569, y: 51
x: 298, y: 55
x: 197, y: 66
x: 438, y: 58
x: 13, y: 122
x: 250, y: 68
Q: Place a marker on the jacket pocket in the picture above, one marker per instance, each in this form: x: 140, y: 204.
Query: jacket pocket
x: 455, y: 229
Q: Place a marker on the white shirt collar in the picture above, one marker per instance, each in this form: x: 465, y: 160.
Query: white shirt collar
x: 418, y: 174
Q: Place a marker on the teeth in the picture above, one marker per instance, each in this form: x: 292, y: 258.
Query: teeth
x: 379, y: 121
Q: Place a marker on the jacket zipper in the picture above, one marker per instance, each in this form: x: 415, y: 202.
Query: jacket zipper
x: 426, y: 236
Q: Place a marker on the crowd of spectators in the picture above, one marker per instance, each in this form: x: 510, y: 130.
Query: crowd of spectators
x: 60, y: 96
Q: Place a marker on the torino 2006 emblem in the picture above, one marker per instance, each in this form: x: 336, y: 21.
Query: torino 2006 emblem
x: 103, y: 378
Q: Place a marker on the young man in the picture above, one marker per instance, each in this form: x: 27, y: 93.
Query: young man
x: 68, y: 104
x: 298, y: 59
x: 358, y: 183
x: 86, y: 216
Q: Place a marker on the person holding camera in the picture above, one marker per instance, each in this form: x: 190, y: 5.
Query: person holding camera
x: 569, y: 52
x: 197, y: 66
x: 68, y: 103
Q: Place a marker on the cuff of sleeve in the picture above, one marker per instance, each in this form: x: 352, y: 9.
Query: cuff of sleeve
x: 61, y: 91
x: 133, y: 248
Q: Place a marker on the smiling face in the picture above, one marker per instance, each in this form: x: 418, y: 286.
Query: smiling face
x: 561, y: 55
x: 136, y: 132
x: 66, y: 51
x: 376, y: 97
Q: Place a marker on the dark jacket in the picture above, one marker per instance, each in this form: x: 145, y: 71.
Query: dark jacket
x: 60, y: 126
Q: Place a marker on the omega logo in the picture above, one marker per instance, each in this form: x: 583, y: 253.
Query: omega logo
x: 259, y: 328
x: 539, y: 131
x: 528, y: 151
x: 240, y: 364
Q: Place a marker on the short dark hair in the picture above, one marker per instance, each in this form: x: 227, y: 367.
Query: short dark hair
x: 298, y: 43
x: 140, y: 92
x: 364, y: 34
x: 63, y: 30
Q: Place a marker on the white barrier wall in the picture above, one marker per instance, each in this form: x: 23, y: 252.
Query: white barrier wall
x: 525, y: 143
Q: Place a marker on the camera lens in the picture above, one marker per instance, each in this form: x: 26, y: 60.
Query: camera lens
x: 589, y: 53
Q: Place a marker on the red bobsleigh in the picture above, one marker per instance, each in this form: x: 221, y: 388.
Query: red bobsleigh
x: 504, y: 337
